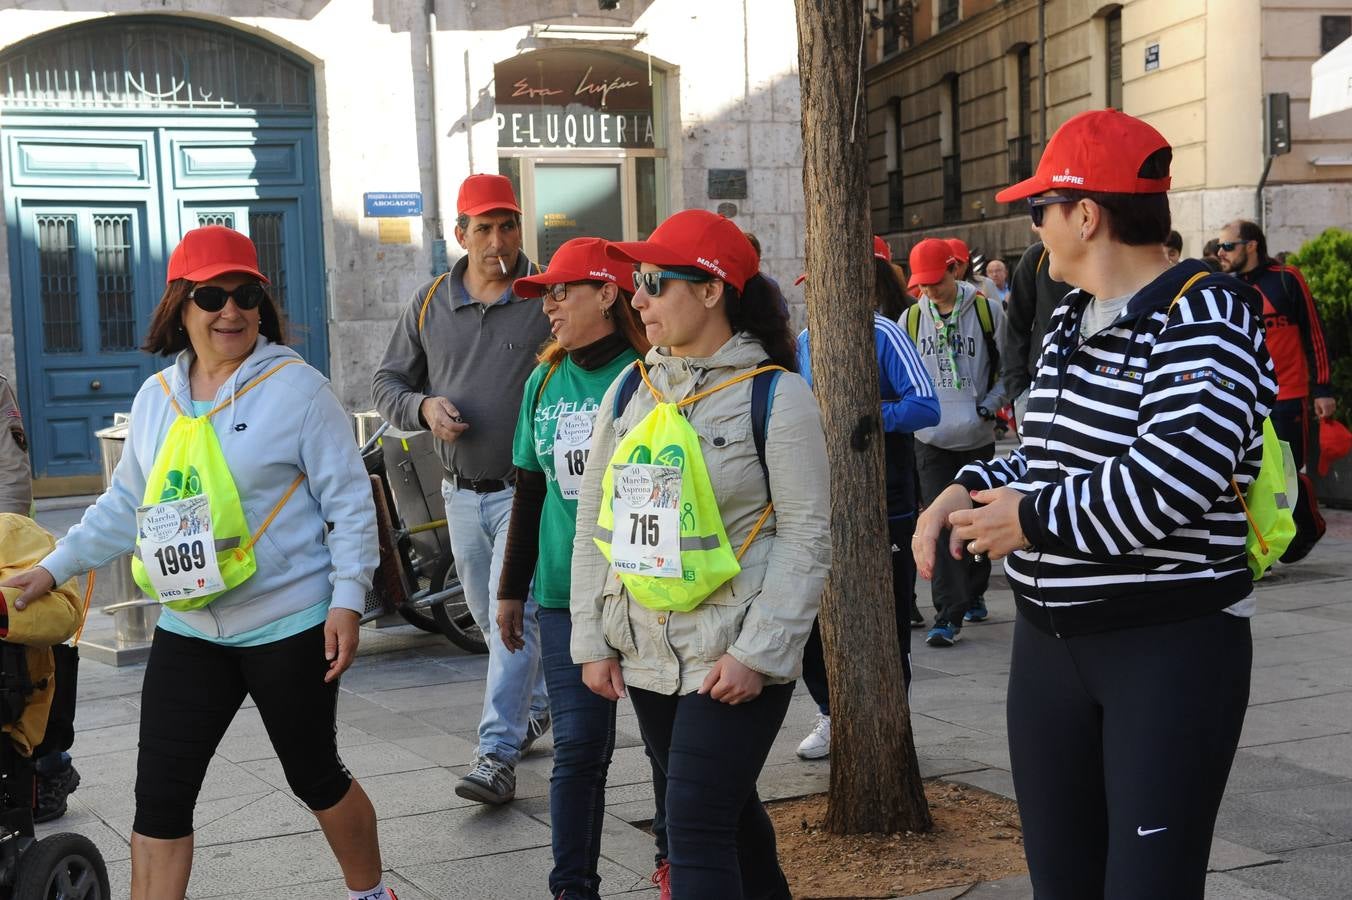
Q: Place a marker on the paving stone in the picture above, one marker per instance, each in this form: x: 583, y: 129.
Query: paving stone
x: 277, y: 862
x: 1226, y: 856
x: 948, y: 893
x: 1016, y: 887
x: 1243, y: 823
x: 441, y: 749
x: 1223, y: 886
x: 271, y: 815
x: 996, y: 781
x: 1321, y: 873
x: 81, y: 820
x: 510, y: 874
x: 455, y: 834
x: 1325, y: 806
x: 323, y: 890
x: 1290, y: 720
x: 1252, y: 771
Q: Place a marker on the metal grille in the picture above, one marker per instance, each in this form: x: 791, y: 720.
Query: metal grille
x: 1020, y: 158
x: 268, y: 237
x: 150, y: 63
x: 59, y: 284
x: 216, y: 218
x: 952, y: 188
x: 113, y: 281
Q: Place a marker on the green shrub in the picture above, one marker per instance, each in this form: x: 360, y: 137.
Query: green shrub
x: 1326, y: 263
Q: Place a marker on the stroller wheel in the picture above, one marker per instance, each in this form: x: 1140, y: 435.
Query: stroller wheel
x: 64, y: 866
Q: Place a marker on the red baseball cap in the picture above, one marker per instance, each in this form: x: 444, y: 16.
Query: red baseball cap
x: 881, y: 250
x: 698, y: 238
x: 581, y: 259
x: 930, y: 259
x: 1101, y: 150
x: 213, y: 250
x: 959, y: 248
x: 483, y: 193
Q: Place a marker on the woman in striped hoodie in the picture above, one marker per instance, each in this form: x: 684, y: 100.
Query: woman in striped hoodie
x: 1123, y: 531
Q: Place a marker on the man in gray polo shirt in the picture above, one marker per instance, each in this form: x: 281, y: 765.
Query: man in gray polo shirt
x: 456, y: 366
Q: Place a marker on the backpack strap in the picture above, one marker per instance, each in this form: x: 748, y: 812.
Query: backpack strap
x: 164, y: 385
x: 629, y: 383
x: 436, y: 283
x: 762, y: 399
x: 913, y: 322
x: 987, y: 320
x: 984, y: 316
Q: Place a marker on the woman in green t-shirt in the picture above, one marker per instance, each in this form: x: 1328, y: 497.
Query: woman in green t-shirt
x: 596, y: 336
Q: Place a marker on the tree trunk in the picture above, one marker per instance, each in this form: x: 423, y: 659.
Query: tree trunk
x: 875, y: 776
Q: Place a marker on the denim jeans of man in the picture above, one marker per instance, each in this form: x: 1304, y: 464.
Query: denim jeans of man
x: 516, y: 684
x: 721, y: 841
x: 584, y: 741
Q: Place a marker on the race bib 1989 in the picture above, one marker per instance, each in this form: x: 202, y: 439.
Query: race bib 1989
x: 647, y: 526
x: 178, y: 549
x: 572, y: 445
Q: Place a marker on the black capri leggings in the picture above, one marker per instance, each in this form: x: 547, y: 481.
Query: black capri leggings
x: 1121, y: 745
x: 192, y: 690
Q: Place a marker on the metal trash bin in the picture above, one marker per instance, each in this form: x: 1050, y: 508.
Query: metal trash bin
x: 134, y: 615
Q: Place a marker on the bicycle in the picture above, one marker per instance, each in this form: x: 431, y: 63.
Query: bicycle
x: 416, y: 576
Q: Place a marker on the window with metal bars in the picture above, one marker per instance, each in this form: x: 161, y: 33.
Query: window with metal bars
x: 948, y: 13
x: 59, y: 284
x: 1113, y: 49
x: 266, y: 228
x: 113, y: 282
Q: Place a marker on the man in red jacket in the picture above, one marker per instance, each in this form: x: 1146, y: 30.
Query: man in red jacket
x: 1295, y: 340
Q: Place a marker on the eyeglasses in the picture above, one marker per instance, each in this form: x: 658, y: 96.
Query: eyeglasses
x: 558, y: 292
x: 210, y: 298
x: 1036, y: 206
x: 1229, y: 246
x: 651, y: 282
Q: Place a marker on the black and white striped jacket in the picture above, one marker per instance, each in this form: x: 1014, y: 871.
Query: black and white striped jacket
x: 1129, y: 444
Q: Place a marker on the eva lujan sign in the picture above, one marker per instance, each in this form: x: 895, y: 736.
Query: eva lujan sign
x: 574, y: 98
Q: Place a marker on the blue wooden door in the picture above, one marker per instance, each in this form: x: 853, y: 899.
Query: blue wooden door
x: 86, y: 296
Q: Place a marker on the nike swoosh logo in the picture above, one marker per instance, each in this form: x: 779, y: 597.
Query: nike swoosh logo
x: 1143, y: 832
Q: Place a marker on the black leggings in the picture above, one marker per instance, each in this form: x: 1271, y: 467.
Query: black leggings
x: 1121, y: 745
x: 720, y: 840
x: 192, y: 690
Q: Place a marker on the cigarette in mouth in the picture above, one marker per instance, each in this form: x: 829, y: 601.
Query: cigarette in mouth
x: 502, y: 265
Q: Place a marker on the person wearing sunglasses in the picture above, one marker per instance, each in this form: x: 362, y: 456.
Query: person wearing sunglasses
x: 596, y: 335
x: 284, y: 634
x: 711, y: 686
x: 1122, y: 528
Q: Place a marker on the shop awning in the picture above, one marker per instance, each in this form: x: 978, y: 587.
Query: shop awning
x: 1331, y: 81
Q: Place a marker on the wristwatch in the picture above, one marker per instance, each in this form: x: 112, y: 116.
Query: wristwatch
x: 984, y: 413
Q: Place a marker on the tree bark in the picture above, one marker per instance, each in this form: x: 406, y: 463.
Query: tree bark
x: 875, y: 776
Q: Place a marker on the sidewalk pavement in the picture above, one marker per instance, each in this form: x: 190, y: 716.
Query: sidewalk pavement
x: 410, y: 705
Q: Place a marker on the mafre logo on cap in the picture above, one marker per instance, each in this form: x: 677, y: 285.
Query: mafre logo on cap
x: 1067, y: 178
x: 712, y: 264
x: 601, y: 273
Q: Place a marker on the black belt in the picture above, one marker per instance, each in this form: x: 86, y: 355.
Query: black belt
x: 477, y: 485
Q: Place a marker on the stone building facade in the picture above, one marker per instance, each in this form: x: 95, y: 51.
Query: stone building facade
x: 957, y: 89
x: 336, y: 132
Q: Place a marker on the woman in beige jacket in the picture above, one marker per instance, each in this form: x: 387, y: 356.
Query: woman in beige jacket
x: 711, y: 686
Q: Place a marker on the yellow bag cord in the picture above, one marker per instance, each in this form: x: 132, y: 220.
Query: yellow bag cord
x: 1253, y: 526
x: 769, y: 507
x: 289, y: 491
x: 84, y: 617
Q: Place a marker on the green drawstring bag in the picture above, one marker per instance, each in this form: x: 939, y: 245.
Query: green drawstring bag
x: 1268, y: 503
x: 193, y: 541
x: 659, y: 524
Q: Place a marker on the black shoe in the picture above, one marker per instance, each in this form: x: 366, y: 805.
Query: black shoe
x: 917, y: 620
x: 52, y: 791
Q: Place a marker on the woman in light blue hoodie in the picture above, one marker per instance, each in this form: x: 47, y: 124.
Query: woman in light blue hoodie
x: 283, y: 634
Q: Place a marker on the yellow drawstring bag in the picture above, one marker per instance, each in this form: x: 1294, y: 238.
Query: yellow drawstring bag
x: 659, y: 524
x: 173, y: 563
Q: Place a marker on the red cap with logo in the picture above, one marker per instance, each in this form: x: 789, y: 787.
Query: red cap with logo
x: 484, y: 193
x: 930, y: 259
x: 698, y: 238
x: 959, y: 248
x: 581, y: 259
x: 1101, y: 151
x: 213, y: 250
x: 881, y: 249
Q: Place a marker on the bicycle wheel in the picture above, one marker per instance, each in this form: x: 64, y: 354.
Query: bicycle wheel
x: 416, y: 610
x: 453, y: 615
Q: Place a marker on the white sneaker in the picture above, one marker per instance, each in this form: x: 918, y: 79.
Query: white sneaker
x: 817, y: 745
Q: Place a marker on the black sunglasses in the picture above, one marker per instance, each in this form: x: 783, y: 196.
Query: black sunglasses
x: 651, y: 282
x: 1037, y: 206
x: 1229, y: 246
x: 210, y: 298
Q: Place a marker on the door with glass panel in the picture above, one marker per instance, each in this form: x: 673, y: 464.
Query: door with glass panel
x: 87, y: 294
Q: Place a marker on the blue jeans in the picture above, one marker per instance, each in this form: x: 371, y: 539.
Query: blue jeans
x: 584, y: 741
x: 721, y: 839
x: 516, y: 684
